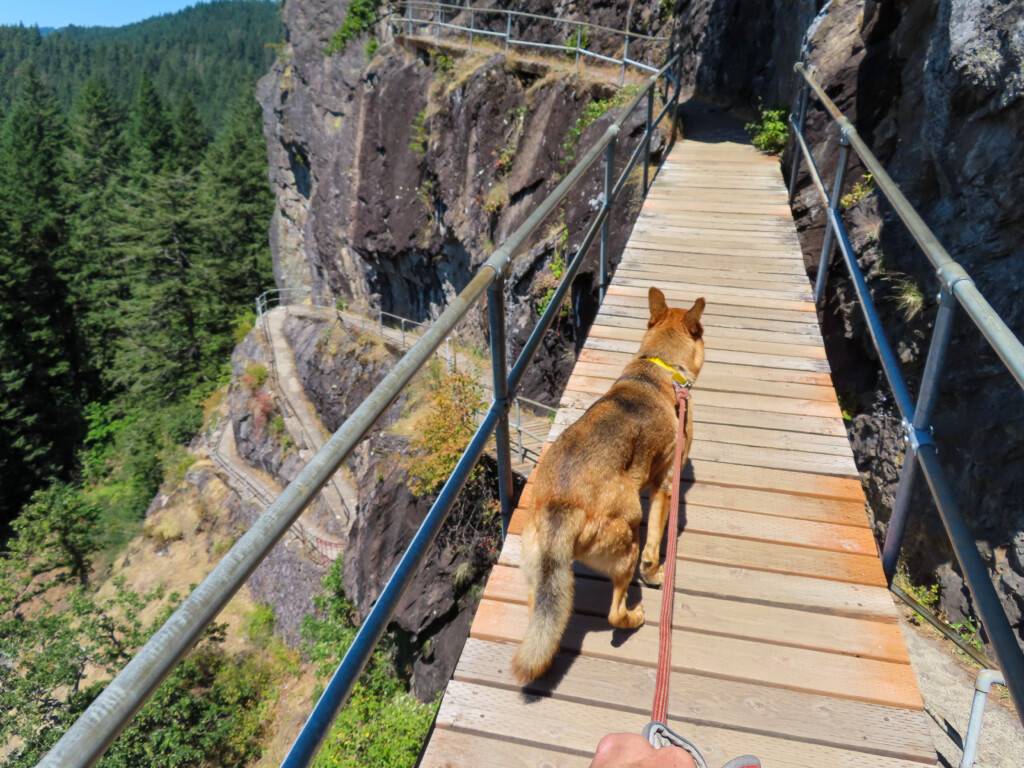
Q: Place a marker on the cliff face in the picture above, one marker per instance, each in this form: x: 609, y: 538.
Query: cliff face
x: 397, y: 176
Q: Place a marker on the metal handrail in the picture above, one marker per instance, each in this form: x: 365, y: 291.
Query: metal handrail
x: 437, y: 8
x: 921, y: 451
x: 93, y: 732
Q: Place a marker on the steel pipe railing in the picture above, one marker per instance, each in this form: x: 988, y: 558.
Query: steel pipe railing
x: 433, y: 21
x: 921, y: 453
x: 92, y: 733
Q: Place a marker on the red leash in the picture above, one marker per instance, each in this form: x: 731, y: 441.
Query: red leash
x: 659, y: 711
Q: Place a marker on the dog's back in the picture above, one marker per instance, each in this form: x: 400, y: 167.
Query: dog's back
x: 586, y: 498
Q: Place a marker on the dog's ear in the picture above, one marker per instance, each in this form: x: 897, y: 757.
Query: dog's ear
x: 693, y: 318
x: 656, y: 300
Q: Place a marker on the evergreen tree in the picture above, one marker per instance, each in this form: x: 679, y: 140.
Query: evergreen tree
x: 152, y: 138
x: 238, y: 202
x: 39, y: 389
x: 94, y: 268
x: 189, y: 134
x: 159, y: 357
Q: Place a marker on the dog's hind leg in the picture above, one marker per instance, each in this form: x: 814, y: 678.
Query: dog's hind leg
x: 616, y: 556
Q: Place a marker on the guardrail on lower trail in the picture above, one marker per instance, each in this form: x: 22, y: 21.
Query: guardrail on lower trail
x: 413, y: 15
x: 90, y: 735
x: 957, y: 288
x: 410, y: 332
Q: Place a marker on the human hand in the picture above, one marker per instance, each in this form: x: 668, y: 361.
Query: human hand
x: 629, y: 750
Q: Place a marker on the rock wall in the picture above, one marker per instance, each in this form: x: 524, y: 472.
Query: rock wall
x: 396, y: 176
x: 935, y: 89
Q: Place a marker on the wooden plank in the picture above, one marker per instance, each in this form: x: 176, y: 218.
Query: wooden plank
x: 718, y: 275
x: 769, y: 528
x: 715, y: 328
x: 798, y: 318
x: 730, y: 287
x: 738, y: 344
x: 712, y: 248
x: 713, y: 205
x: 837, y: 598
x: 729, y: 658
x: 718, y: 353
x: 738, y: 705
x: 776, y: 504
x: 779, y: 558
x: 550, y: 721
x: 593, y: 357
x: 796, y: 300
x: 581, y: 382
x: 715, y: 616
x: 454, y: 749
x: 685, y: 258
x: 740, y: 401
x: 776, y: 458
x: 570, y: 410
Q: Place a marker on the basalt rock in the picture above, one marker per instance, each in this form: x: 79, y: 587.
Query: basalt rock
x: 396, y: 176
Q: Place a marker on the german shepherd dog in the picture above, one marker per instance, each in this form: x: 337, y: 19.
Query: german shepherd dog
x: 587, y: 497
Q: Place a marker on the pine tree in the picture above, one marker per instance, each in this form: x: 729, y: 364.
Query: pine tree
x: 94, y: 268
x: 189, y: 134
x: 39, y: 389
x: 152, y: 138
x: 237, y: 199
x: 159, y: 355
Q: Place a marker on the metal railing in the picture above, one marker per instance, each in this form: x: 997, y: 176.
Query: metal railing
x: 405, y: 332
x: 921, y: 452
x: 90, y: 735
x: 434, y: 16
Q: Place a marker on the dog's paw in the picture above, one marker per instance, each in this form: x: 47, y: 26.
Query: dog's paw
x: 635, y: 618
x: 651, y: 573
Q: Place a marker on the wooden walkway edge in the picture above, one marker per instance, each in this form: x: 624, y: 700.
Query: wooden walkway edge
x: 786, y: 643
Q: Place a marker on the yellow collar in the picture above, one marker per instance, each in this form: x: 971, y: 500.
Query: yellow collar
x: 677, y: 375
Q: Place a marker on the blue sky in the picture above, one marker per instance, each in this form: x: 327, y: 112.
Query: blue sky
x: 85, y: 13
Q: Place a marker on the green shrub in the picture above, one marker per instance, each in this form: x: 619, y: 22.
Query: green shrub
x: 254, y: 376
x: 771, y: 131
x: 860, y: 190
x: 359, y: 19
x: 371, y: 47
x: 591, y: 113
x: 381, y: 724
x: 418, y: 142
x: 578, y: 39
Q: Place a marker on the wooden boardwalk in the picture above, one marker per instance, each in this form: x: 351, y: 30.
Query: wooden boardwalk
x: 785, y: 639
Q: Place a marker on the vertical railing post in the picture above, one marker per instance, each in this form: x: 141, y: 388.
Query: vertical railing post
x: 647, y: 139
x: 798, y: 126
x: 403, y: 332
x: 579, y: 39
x: 472, y: 16
x: 918, y: 428
x: 519, y: 432
x: 508, y: 30
x: 409, y: 15
x: 499, y: 368
x: 437, y: 26
x: 609, y: 164
x: 625, y: 55
x: 830, y: 240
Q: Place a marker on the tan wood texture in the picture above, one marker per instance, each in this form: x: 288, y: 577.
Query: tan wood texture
x: 784, y: 635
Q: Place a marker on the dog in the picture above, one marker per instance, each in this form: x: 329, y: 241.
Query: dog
x: 587, y: 495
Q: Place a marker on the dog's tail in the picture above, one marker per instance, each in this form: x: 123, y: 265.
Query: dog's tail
x: 548, y: 572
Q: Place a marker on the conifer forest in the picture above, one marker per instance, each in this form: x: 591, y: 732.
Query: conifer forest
x: 134, y: 206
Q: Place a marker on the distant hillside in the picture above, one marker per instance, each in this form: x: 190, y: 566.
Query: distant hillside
x: 212, y: 51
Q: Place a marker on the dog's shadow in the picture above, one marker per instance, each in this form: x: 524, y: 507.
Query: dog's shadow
x: 589, y: 623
